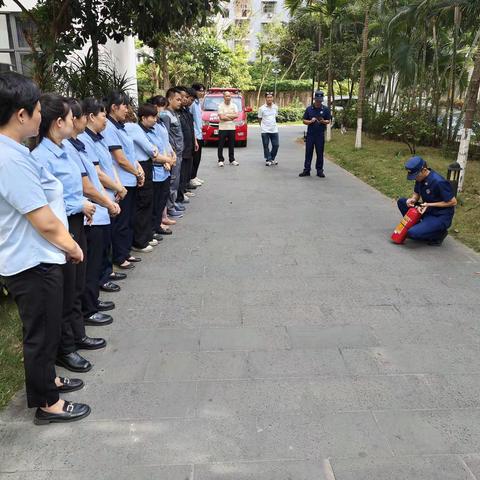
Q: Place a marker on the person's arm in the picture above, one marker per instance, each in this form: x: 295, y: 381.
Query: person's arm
x: 442, y: 204
x: 123, y: 162
x: 413, y: 199
x: 327, y: 117
x: 49, y: 226
x: 306, y: 118
x: 101, y: 198
x: 107, y: 182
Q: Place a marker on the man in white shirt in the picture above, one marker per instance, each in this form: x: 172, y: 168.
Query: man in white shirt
x: 267, y: 114
x: 227, y: 113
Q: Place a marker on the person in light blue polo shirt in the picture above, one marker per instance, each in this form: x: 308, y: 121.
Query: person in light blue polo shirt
x: 56, y: 126
x: 34, y: 244
x: 145, y: 151
x: 131, y: 175
x: 106, y: 207
x: 162, y: 163
x: 107, y: 174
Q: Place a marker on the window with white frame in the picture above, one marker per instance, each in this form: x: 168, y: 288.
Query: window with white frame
x: 14, y: 49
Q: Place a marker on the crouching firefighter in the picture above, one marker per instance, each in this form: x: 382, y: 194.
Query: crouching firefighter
x: 437, y: 203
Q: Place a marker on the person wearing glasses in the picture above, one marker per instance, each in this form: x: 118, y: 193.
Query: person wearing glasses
x: 267, y: 114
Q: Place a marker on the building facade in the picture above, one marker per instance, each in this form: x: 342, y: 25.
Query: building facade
x: 254, y: 15
x: 14, y: 49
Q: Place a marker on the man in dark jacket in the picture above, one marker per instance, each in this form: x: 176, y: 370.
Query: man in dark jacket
x: 190, y: 144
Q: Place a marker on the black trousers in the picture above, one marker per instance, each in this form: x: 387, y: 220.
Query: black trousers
x: 122, y: 228
x: 38, y: 293
x: 107, y: 265
x: 197, y: 158
x: 185, y: 176
x: 95, y: 252
x: 225, y: 135
x: 143, y: 208
x: 161, y: 190
x: 73, y: 327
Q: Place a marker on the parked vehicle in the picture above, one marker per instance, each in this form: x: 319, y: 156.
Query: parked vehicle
x: 212, y: 100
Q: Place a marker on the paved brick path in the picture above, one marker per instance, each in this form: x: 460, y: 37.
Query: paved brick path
x: 278, y: 335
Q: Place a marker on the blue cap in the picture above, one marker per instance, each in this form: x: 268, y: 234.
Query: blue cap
x: 319, y: 94
x: 414, y: 166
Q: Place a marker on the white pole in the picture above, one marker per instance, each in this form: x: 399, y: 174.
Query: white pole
x: 358, y: 138
x: 466, y: 135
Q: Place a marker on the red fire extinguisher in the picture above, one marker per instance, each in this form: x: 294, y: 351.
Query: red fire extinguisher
x: 411, y: 218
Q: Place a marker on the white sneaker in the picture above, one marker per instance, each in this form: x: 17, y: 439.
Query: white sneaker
x: 267, y: 164
x: 194, y: 183
x: 221, y: 164
x: 199, y: 180
x: 147, y: 249
x: 153, y: 242
x: 275, y: 162
x: 234, y: 163
x: 190, y: 194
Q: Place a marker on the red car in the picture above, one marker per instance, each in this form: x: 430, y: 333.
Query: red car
x: 212, y: 100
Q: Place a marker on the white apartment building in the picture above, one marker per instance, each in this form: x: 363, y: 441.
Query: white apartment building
x: 14, y: 49
x: 255, y: 14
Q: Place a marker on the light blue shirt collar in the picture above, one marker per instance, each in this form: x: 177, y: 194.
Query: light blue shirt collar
x: 14, y: 144
x: 53, y: 147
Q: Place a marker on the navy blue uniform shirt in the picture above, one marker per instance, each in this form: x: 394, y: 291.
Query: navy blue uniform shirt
x: 317, y: 128
x: 434, y: 189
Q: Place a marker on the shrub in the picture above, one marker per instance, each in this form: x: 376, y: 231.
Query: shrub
x: 287, y: 114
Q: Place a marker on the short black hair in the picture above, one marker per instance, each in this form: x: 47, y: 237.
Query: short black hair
x: 77, y: 107
x: 158, y: 100
x: 198, y: 86
x: 268, y: 93
x: 116, y: 98
x: 147, y: 110
x: 172, y: 91
x: 54, y: 106
x: 192, y: 92
x: 16, y: 92
x: 181, y: 88
x: 93, y: 105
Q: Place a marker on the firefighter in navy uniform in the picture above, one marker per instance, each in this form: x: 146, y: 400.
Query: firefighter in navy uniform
x: 317, y: 117
x: 438, y: 205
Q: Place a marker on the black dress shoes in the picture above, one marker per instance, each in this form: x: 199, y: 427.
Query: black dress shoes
x: 74, y: 362
x: 70, y: 384
x: 71, y: 413
x: 304, y: 174
x: 98, y: 320
x: 320, y: 174
x: 88, y: 343
x: 110, y: 287
x: 105, y: 306
x: 115, y: 276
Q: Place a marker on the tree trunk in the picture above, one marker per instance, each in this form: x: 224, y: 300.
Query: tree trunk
x: 165, y: 73
x: 457, y: 20
x: 330, y: 81
x: 361, y: 90
x: 471, y: 102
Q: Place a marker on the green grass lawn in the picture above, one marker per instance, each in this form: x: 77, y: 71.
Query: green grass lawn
x: 380, y: 164
x: 11, y: 359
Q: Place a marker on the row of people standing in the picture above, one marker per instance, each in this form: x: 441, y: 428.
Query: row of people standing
x: 92, y: 190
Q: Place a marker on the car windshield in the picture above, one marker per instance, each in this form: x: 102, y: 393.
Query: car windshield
x: 211, y: 103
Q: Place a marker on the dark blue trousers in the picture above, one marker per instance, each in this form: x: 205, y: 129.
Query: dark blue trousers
x: 107, y: 265
x: 122, y: 228
x: 317, y: 143
x: 429, y: 228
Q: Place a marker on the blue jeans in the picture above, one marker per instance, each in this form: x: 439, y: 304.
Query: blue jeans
x: 266, y: 139
x: 430, y: 227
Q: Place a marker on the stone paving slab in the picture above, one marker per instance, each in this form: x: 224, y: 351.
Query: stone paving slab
x: 278, y: 335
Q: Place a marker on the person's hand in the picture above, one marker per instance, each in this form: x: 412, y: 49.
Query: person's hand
x: 167, y: 167
x: 410, y: 202
x: 88, y: 210
x: 121, y: 193
x: 423, y: 208
x: 75, y: 255
x: 313, y: 120
x: 197, y: 146
x: 113, y: 209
